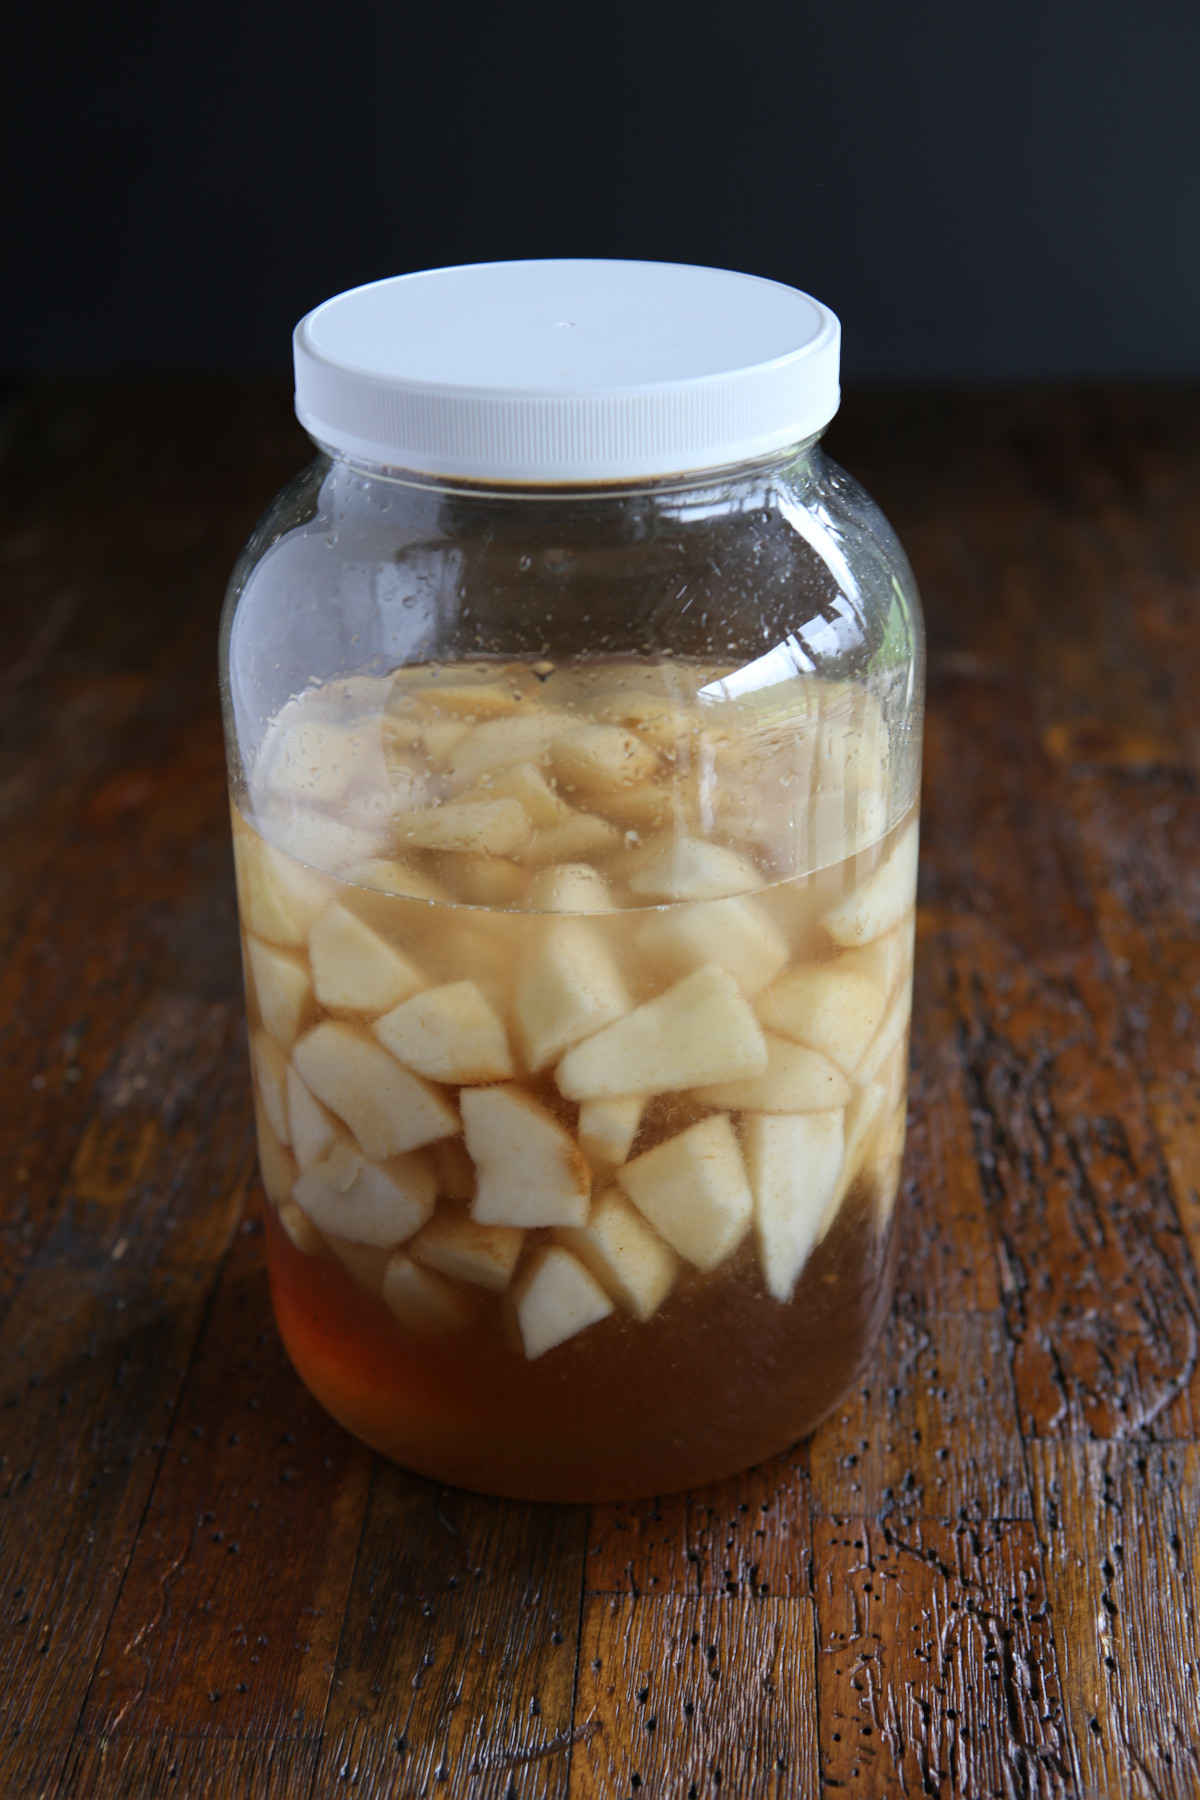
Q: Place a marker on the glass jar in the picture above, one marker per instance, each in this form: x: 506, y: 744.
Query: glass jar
x: 574, y: 705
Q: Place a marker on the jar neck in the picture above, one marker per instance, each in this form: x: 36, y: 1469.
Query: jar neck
x: 792, y: 460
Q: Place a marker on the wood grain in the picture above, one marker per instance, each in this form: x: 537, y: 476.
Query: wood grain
x: 749, y: 1536
x: 930, y: 1431
x: 456, y: 1670
x: 936, y: 1669
x: 1120, y: 1531
x: 231, y: 1609
x: 695, y: 1696
x: 980, y: 1576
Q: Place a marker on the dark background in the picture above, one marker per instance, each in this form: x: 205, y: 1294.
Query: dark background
x: 981, y: 188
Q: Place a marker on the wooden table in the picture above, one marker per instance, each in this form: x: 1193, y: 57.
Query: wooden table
x: 980, y: 1577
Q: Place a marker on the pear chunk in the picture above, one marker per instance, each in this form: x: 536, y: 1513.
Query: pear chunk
x: 570, y: 888
x: 526, y: 783
x: 598, y: 757
x: 381, y: 875
x: 448, y: 1034
x: 579, y: 835
x: 368, y: 1203
x: 559, y: 1300
x: 607, y: 1128
x: 270, y: 1073
x: 313, y: 1131
x: 887, y: 958
x: 419, y: 1298
x: 834, y: 1010
x: 886, y: 1039
x: 794, y: 1163
x: 571, y: 989
x: 798, y: 1080
x: 486, y: 880
x: 276, y: 1164
x: 881, y: 901
x: 630, y: 1261
x: 530, y: 1171
x: 314, y: 839
x: 356, y: 970
x: 499, y: 743
x: 300, y: 1228
x: 864, y: 1117
x: 693, y: 1190
x: 734, y: 933
x: 456, y: 1246
x: 699, y: 1031
x: 281, y: 987
x: 693, y: 869
x: 389, y: 1109
x: 484, y: 827
x: 279, y: 900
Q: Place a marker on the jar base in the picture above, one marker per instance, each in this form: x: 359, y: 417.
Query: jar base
x: 546, y: 1434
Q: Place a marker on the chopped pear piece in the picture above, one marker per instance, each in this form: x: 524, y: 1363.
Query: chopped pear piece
x: 282, y: 988
x: 607, y: 1128
x: 693, y: 1190
x: 598, y: 757
x: 570, y: 888
x: 526, y: 783
x: 571, y: 989
x: 484, y: 827
x: 693, y: 869
x: 887, y: 958
x: 419, y: 1298
x: 890, y: 1033
x: 387, y: 1107
x: 864, y: 1115
x: 580, y: 835
x: 881, y: 901
x: 699, y: 1031
x: 316, y: 840
x: 368, y: 1203
x: 276, y: 1163
x: 529, y: 1170
x: 834, y: 1010
x: 889, y: 1158
x: 270, y: 1073
x: 279, y: 900
x: 798, y: 1080
x: 442, y: 737
x: 630, y: 1261
x: 300, y: 1228
x: 735, y: 933
x: 454, y: 1169
x: 472, y: 701
x: 558, y: 1300
x: 385, y: 876
x: 448, y: 1034
x: 640, y: 808
x: 312, y: 1130
x: 458, y: 1247
x: 793, y: 1162
x: 306, y: 757
x: 498, y: 743
x: 356, y: 970
x: 663, y: 723
x: 486, y: 880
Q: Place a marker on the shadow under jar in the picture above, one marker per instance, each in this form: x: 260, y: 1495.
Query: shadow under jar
x: 574, y: 704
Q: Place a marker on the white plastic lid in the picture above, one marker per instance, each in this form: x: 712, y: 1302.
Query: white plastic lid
x: 572, y: 371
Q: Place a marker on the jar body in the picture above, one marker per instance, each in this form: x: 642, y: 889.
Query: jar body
x: 576, y: 848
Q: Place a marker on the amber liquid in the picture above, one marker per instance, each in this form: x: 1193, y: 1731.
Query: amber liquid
x: 721, y: 1375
